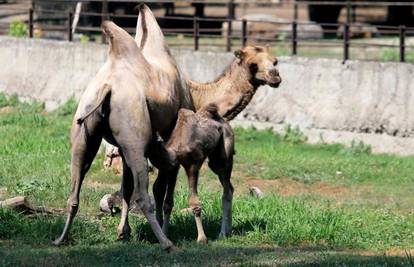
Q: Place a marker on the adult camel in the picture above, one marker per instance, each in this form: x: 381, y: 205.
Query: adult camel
x: 130, y: 98
x: 231, y: 92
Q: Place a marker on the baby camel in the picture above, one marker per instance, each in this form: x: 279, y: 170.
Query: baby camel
x: 195, y: 137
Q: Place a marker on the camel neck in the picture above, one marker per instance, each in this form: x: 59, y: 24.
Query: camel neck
x: 232, y: 91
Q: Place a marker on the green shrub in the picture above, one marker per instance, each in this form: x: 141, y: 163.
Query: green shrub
x: 357, y: 148
x: 293, y: 135
x: 68, y: 108
x: 84, y: 39
x: 18, y: 28
x: 393, y: 54
x: 28, y: 187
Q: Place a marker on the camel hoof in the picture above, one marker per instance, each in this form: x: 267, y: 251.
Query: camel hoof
x: 202, y: 240
x: 57, y: 243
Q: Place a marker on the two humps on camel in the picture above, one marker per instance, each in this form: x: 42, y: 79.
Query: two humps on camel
x: 140, y: 102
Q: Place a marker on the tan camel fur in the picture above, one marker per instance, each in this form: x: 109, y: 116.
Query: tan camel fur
x: 195, y: 137
x: 232, y: 91
x: 130, y: 99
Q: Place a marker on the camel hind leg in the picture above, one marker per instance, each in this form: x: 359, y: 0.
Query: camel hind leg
x: 221, y: 163
x: 86, y: 139
x: 137, y: 162
x: 124, y: 230
x: 224, y: 174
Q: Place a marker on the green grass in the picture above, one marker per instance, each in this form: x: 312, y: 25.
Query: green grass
x: 295, y: 230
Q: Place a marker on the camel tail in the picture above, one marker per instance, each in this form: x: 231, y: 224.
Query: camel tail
x: 103, y: 93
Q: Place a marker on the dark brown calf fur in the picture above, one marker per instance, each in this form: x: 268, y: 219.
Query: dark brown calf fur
x: 195, y: 137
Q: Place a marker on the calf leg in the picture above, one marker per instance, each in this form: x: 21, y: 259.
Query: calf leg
x: 226, y: 199
x: 169, y: 197
x: 85, y: 143
x: 159, y: 190
x: 194, y: 202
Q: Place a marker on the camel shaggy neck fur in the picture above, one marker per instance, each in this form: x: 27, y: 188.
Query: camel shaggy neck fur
x: 233, y: 90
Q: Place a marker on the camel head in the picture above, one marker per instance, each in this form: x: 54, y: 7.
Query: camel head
x: 261, y: 63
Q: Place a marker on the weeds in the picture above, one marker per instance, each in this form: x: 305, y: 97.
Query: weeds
x: 293, y: 135
x: 27, y: 187
x: 18, y: 28
x: 357, y: 148
x: 393, y: 54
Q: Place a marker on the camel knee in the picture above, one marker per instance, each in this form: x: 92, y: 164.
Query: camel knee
x: 145, y: 204
x: 195, y: 205
x: 73, y: 204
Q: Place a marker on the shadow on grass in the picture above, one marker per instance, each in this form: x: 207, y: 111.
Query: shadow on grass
x: 26, y: 242
x: 190, y: 254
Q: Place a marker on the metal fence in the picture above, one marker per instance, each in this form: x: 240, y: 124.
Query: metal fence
x: 241, y: 37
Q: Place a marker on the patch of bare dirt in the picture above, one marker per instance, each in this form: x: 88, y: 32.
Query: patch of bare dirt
x: 288, y: 187
x: 7, y: 110
x: 400, y: 252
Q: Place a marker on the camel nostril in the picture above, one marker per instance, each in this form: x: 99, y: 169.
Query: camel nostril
x: 274, y: 72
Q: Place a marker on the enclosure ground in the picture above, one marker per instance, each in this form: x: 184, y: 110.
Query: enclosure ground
x: 323, y: 205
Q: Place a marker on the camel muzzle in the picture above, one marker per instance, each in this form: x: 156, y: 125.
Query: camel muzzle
x: 273, y: 78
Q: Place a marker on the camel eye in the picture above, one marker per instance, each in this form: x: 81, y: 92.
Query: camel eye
x: 275, y: 62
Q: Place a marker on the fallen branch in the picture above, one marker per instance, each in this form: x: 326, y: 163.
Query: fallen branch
x: 22, y: 204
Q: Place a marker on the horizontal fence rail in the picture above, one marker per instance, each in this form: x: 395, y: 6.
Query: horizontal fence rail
x: 240, y: 35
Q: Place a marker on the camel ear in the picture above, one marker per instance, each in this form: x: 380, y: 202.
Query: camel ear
x: 239, y: 54
x: 268, y: 47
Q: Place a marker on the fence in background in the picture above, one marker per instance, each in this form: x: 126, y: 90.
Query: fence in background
x: 243, y: 36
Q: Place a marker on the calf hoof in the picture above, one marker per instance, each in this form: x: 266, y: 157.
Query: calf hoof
x: 124, y: 237
x: 202, y: 240
x: 124, y: 233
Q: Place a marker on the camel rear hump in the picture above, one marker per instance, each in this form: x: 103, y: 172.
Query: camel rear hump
x: 121, y: 44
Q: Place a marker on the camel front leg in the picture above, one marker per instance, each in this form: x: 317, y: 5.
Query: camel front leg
x: 194, y: 202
